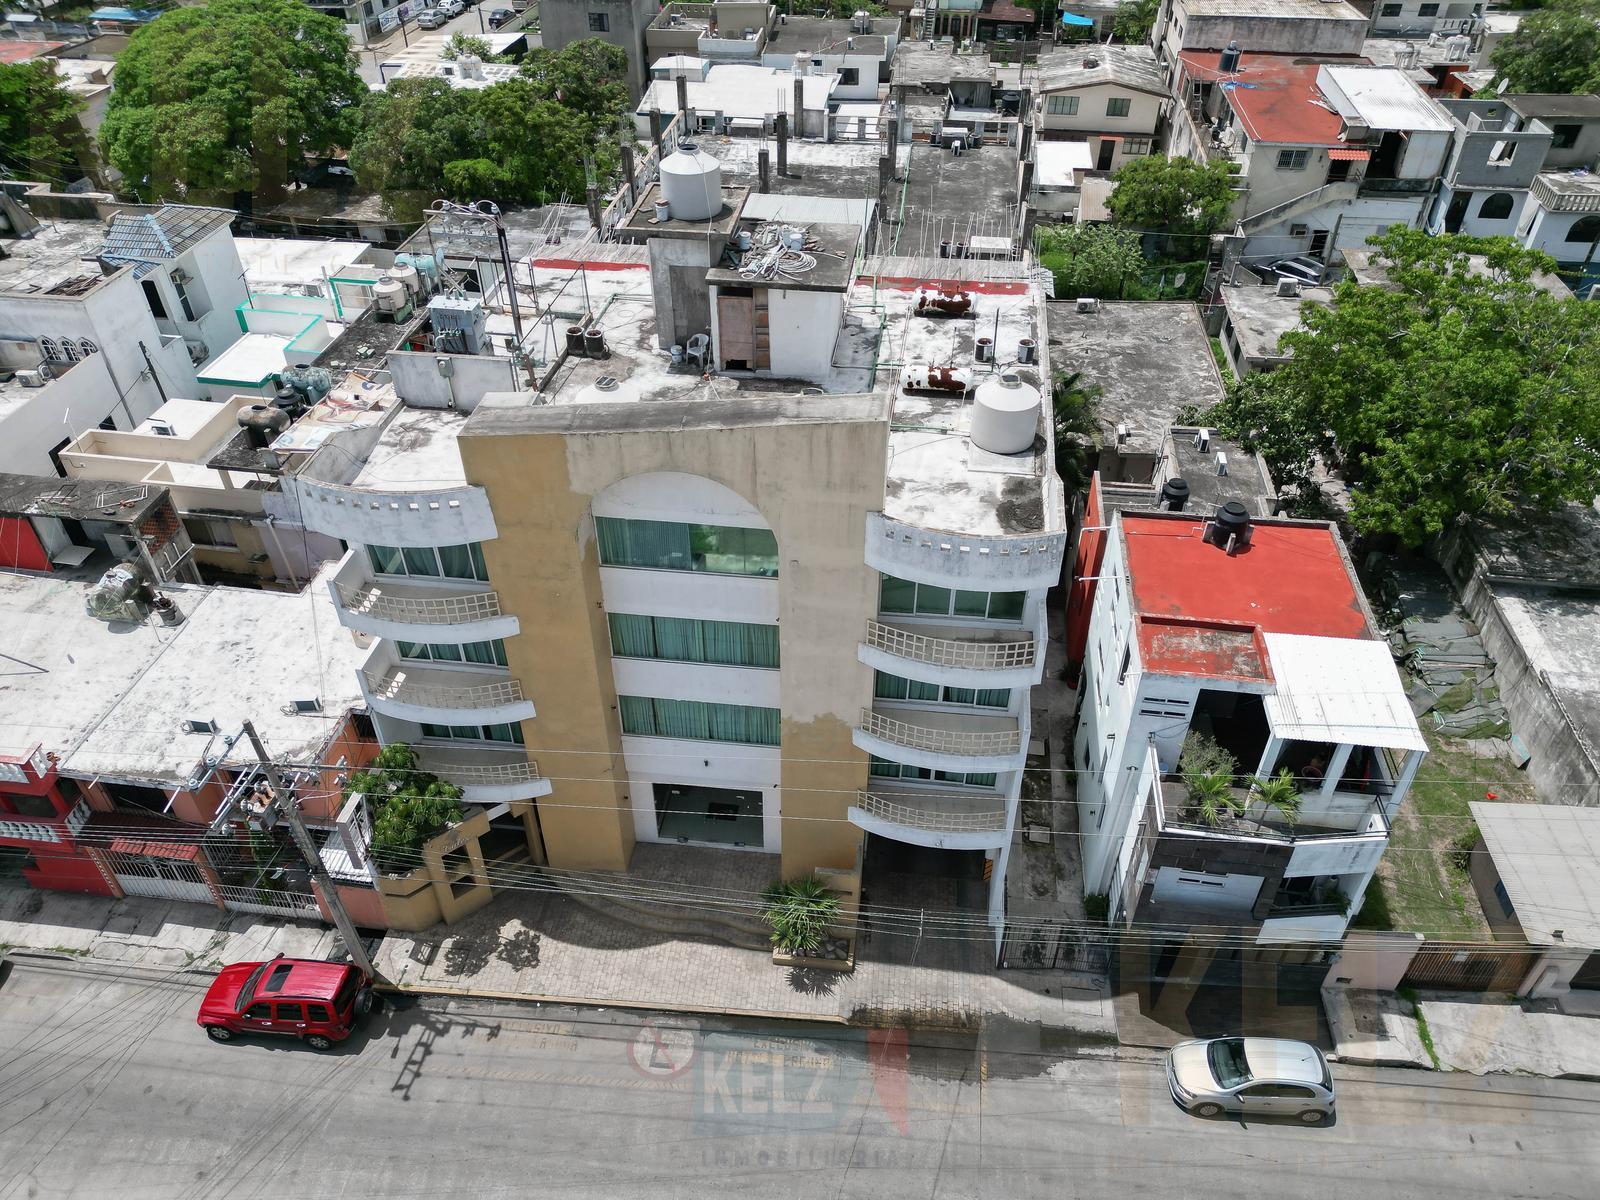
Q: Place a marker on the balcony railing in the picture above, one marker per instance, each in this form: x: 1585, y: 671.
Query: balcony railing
x: 977, y: 654
x: 482, y: 774
x: 970, y: 743
x: 394, y: 685
x: 371, y: 601
x: 1308, y: 908
x: 938, y: 816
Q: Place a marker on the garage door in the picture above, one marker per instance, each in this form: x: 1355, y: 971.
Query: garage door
x: 1199, y: 890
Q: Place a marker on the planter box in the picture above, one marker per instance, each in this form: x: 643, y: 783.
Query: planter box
x: 818, y: 963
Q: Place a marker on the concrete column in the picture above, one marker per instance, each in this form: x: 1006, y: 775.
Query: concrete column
x: 1269, y: 757
x: 799, y: 106
x: 683, y: 106
x: 1024, y: 181
x: 627, y: 173
x: 764, y: 169
x: 1335, y: 772
x: 1408, y: 772
x: 885, y: 180
x: 1025, y: 142
x: 783, y: 143
x: 594, y: 205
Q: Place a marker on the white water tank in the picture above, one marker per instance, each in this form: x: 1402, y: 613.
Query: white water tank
x: 407, y: 274
x: 691, y: 183
x: 1005, y: 414
x: 389, y: 295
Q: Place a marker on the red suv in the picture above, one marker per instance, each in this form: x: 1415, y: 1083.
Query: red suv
x: 318, y: 1002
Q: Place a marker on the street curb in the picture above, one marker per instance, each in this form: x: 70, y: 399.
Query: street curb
x: 707, y: 1010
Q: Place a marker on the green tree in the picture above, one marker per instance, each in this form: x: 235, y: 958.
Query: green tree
x: 1556, y: 49
x: 589, y: 79
x: 1092, y: 260
x: 410, y: 133
x: 40, y: 137
x: 1134, y: 19
x: 1460, y: 387
x: 228, y: 99
x: 409, y: 805
x: 466, y: 43
x: 1175, y: 196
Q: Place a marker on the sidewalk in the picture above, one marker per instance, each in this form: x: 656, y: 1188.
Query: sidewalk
x: 169, y: 935
x: 1467, y: 1032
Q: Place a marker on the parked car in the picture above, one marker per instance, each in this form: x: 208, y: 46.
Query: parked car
x: 500, y: 16
x: 1254, y: 1076
x: 451, y: 8
x: 1305, y: 270
x: 317, y: 1002
x: 432, y: 18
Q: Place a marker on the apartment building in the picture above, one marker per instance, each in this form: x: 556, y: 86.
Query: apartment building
x: 621, y: 23
x: 1252, y: 633
x: 795, y: 608
x: 1324, y: 28
x: 1416, y: 19
x: 1115, y: 98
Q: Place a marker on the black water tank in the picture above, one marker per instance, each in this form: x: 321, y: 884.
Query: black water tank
x: 575, y: 340
x: 263, y: 423
x: 594, y: 342
x: 1174, y: 494
x: 1228, y: 61
x: 1232, y: 521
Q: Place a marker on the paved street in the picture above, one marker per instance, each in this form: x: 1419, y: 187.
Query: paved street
x: 107, y: 1087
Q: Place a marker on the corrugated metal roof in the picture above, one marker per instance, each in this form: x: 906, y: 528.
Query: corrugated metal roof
x: 158, y: 235
x: 1548, y: 857
x: 1339, y: 690
x: 1381, y: 98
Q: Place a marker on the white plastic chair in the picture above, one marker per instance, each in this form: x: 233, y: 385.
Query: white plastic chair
x: 697, y: 349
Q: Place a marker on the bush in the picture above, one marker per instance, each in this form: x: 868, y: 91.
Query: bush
x: 799, y: 912
x: 1462, y: 849
x: 1201, y: 755
x: 409, y: 805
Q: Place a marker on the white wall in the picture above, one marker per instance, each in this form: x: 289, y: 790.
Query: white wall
x: 804, y: 327
x: 690, y: 594
x: 708, y: 764
x: 1144, y: 111
x: 677, y: 496
x: 420, y: 383
x: 77, y: 400
x: 752, y: 686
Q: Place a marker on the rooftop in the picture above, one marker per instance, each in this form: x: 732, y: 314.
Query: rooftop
x: 112, y: 698
x: 1574, y: 183
x: 249, y: 362
x: 145, y: 234
x: 1548, y: 857
x: 974, y: 195
x: 78, y: 499
x: 815, y: 168
x: 1061, y: 164
x: 16, y: 51
x: 270, y: 263
x: 1382, y: 98
x: 1559, y: 547
x: 59, y: 259
x: 1247, y: 480
x: 916, y: 65
x: 828, y: 35
x: 1132, y: 67
x: 835, y: 249
x: 1393, y: 52
x: 1261, y: 317
x: 416, y: 450
x: 1525, y: 104
x: 740, y: 90
x: 1203, y: 611
x: 1275, y: 97
x: 1366, y: 268
x: 1149, y: 359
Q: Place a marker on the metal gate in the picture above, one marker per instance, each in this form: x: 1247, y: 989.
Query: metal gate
x: 271, y: 902
x: 1469, y: 967
x: 1047, y: 945
x: 159, y: 878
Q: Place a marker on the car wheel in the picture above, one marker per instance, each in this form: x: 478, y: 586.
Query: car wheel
x: 219, y: 1033
x: 1312, y: 1116
x: 317, y: 1042
x: 1206, y: 1110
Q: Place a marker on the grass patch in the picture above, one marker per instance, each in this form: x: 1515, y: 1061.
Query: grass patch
x: 1424, y: 1034
x: 1374, y: 912
x: 1425, y: 885
x: 1221, y: 355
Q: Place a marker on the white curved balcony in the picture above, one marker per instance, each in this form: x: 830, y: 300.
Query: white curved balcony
x: 953, y: 655
x: 486, y: 776
x: 416, y: 610
x: 943, y: 741
x: 998, y: 563
x: 393, y: 516
x: 950, y: 820
x: 445, y: 697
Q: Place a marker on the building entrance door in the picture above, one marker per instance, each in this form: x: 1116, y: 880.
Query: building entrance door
x: 723, y: 816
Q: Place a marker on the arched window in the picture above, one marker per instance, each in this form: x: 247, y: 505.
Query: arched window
x: 1585, y: 230
x: 69, y: 350
x: 48, y: 348
x: 87, y: 347
x: 1496, y: 206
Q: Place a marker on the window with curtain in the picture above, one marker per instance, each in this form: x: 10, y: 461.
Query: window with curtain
x: 430, y: 562
x: 508, y: 734
x: 649, y: 717
x: 1062, y: 106
x: 925, y: 600
x: 893, y: 687
x: 883, y: 768
x: 675, y: 546
x: 386, y: 560
x: 681, y: 639
x: 486, y: 654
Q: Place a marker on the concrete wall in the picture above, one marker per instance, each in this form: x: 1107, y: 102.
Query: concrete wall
x: 1341, y: 32
x: 812, y: 467
x: 804, y: 327
x: 1144, y: 111
x: 79, y: 399
x: 678, y: 287
x: 562, y: 22
x: 1372, y: 961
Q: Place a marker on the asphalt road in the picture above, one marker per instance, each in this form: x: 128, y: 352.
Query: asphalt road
x: 107, y: 1088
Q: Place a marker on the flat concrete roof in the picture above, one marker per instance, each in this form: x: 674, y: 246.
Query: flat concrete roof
x: 509, y: 414
x: 112, y: 698
x: 740, y: 90
x: 1548, y: 857
x: 954, y: 197
x: 270, y: 263
x: 416, y: 449
x: 915, y: 65
x: 114, y: 502
x: 833, y: 249
x: 60, y: 251
x: 1383, y: 98
x: 1149, y: 359
x: 1261, y: 317
x: 830, y: 35
x: 848, y: 169
x: 1561, y: 546
x: 253, y: 359
x: 1310, y: 10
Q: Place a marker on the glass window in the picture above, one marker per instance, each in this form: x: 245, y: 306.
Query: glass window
x: 420, y: 560
x: 679, y: 639
x: 491, y: 653
x: 1061, y: 106
x: 259, y: 1012
x: 671, y: 546
x: 444, y: 652
x: 291, y: 1012
x: 1006, y: 606
x: 456, y: 562
x: 1428, y: 10
x: 435, y: 731
x: 972, y: 604
x: 699, y: 720
x: 417, y: 650
x: 888, y: 687
x: 993, y: 697
x: 981, y: 779
x: 954, y: 695
x: 1391, y: 10
x: 1118, y: 106
x: 386, y: 560
x: 933, y: 601
x: 599, y: 23
x: 896, y: 595
x: 317, y: 1012
x: 504, y: 733
x: 1293, y: 160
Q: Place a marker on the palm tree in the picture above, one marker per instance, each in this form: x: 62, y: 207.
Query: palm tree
x: 1279, y: 792
x: 1211, y: 797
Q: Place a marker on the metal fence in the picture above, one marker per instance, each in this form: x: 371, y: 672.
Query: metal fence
x: 1039, y: 944
x: 1469, y: 967
x: 271, y: 902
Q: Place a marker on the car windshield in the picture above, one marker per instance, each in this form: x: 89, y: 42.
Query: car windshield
x: 249, y: 988
x: 1228, y: 1062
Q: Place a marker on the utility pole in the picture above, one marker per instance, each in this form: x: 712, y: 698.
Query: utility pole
x: 154, y: 378
x: 286, y: 806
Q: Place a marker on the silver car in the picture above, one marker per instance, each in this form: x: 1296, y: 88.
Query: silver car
x: 1253, y: 1076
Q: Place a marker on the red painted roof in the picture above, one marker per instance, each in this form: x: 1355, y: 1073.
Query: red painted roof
x: 1274, y: 95
x: 1201, y: 611
x: 21, y: 51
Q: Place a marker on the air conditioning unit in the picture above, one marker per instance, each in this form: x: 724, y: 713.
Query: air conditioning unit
x: 1288, y: 287
x: 36, y: 378
x: 161, y: 428
x: 198, y: 350
x: 1088, y: 304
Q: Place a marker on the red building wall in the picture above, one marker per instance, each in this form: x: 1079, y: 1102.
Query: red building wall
x: 1089, y: 553
x: 20, y: 546
x: 63, y: 869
